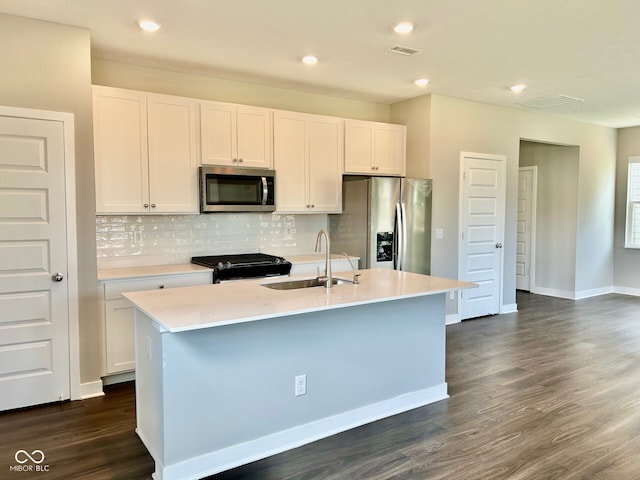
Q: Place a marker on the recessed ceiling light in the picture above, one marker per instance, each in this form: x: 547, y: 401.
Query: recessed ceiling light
x: 309, y: 60
x: 148, y: 25
x: 518, y: 88
x: 422, y: 82
x: 403, y: 28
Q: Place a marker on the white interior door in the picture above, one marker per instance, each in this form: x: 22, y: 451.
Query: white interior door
x: 482, y: 207
x: 34, y: 309
x: 525, y: 241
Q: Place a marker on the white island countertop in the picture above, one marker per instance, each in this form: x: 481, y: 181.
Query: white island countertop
x: 205, y: 306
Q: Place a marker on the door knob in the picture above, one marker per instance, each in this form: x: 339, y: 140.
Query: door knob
x: 57, y: 277
x: 498, y: 245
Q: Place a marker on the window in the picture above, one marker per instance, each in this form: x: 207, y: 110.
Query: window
x: 632, y: 230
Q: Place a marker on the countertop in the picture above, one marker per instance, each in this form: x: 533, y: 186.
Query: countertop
x: 205, y: 306
x: 106, y: 274
x: 149, y: 271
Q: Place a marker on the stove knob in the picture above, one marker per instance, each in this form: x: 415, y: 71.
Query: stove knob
x: 278, y: 260
x: 220, y: 266
x: 228, y: 264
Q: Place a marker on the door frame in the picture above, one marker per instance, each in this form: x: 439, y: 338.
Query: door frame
x: 67, y: 120
x: 534, y: 216
x: 483, y: 156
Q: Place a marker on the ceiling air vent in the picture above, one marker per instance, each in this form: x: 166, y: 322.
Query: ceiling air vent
x: 552, y: 102
x: 403, y: 50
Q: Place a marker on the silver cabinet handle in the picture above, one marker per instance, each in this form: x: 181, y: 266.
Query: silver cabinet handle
x: 57, y: 277
x: 153, y: 205
x: 146, y: 205
x: 498, y: 245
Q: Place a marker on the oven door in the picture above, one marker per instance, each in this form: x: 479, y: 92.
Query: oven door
x: 224, y: 189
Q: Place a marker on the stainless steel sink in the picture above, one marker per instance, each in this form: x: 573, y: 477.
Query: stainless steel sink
x: 305, y: 283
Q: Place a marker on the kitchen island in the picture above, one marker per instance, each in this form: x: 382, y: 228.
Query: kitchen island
x: 231, y: 373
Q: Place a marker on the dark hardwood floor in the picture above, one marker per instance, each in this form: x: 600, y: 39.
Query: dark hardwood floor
x: 550, y: 392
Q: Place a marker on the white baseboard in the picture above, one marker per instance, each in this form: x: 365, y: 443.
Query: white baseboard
x: 231, y: 457
x: 509, y: 308
x: 91, y: 390
x: 627, y: 291
x: 554, y: 292
x: 594, y: 292
x: 569, y: 295
x: 119, y: 378
x: 451, y: 318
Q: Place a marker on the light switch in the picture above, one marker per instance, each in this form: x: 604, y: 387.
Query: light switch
x: 439, y: 233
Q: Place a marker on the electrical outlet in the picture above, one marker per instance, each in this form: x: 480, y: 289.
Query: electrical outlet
x: 300, y: 385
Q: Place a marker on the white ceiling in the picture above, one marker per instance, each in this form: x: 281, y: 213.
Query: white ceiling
x: 471, y: 49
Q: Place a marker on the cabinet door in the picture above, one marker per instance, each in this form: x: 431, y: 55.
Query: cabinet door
x: 254, y: 136
x: 358, y: 147
x: 120, y: 150
x: 119, y: 336
x: 290, y: 158
x: 389, y: 150
x: 325, y: 161
x: 173, y: 160
x: 218, y: 133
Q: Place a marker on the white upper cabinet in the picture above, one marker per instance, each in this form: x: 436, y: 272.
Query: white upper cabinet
x: 308, y: 152
x: 145, y: 149
x: 120, y: 150
x: 373, y: 148
x: 237, y: 135
x: 173, y: 157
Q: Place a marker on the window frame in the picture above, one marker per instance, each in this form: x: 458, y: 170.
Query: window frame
x: 633, y: 171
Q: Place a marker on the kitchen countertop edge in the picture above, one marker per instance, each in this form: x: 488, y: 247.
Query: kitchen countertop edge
x: 192, y: 308
x: 122, y: 273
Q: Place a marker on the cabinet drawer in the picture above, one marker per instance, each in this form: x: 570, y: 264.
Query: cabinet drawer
x: 114, y: 289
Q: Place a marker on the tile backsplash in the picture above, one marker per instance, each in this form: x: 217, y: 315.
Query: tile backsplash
x: 140, y: 240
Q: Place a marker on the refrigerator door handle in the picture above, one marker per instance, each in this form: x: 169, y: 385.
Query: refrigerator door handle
x: 403, y: 210
x: 398, y: 239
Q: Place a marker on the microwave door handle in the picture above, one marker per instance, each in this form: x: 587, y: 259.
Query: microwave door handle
x: 265, y: 190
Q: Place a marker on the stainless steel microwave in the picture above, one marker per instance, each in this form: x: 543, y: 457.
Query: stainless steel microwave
x: 231, y: 189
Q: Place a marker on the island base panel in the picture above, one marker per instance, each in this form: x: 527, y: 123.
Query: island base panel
x: 211, y: 399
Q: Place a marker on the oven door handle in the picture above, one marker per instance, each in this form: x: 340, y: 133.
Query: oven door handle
x: 265, y: 190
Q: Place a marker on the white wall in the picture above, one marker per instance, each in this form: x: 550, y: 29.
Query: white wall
x: 557, y: 216
x: 47, y: 66
x: 627, y: 260
x: 416, y: 115
x: 460, y: 125
x: 157, y: 80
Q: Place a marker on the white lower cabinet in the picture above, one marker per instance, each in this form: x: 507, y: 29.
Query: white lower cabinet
x: 117, y: 315
x: 119, y: 355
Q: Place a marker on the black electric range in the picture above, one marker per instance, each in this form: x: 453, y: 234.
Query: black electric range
x: 243, y: 266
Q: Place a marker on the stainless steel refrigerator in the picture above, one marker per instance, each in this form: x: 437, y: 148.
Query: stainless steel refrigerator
x: 386, y: 221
